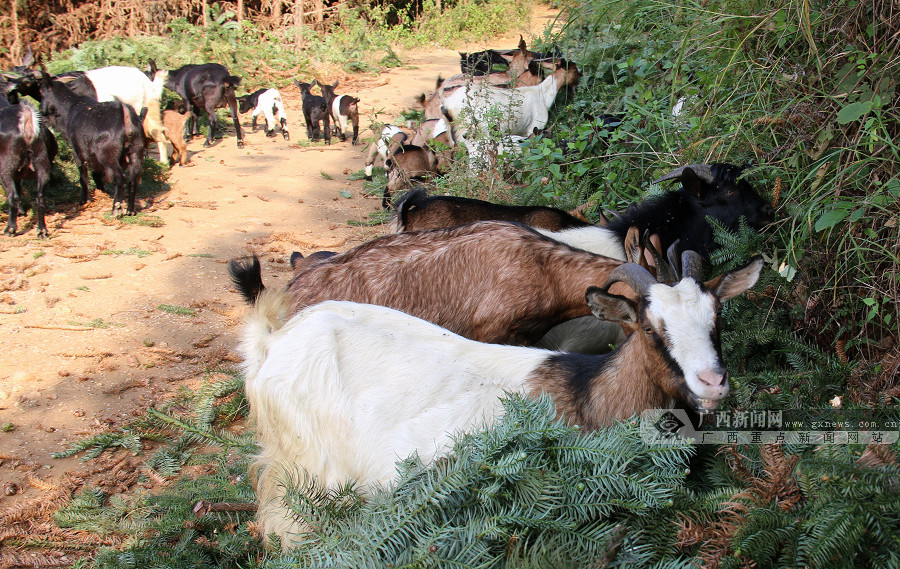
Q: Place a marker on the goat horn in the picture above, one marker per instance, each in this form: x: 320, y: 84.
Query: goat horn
x: 635, y: 276
x: 674, y: 261
x: 703, y: 171
x: 664, y: 273
x: 692, y: 265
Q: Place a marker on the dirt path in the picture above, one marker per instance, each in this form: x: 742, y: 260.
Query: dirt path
x: 103, y: 319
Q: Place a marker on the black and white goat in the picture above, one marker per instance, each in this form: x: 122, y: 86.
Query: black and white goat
x: 315, y: 112
x: 342, y: 391
x: 107, y: 140
x: 203, y: 88
x: 344, y: 112
x: 391, y: 136
x: 27, y: 148
x: 266, y: 102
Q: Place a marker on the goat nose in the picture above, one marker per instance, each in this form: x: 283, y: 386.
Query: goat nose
x: 714, y: 377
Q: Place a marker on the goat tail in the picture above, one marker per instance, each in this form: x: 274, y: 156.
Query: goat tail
x: 233, y: 80
x: 246, y: 275
x: 409, y: 200
x: 29, y: 122
x: 267, y: 316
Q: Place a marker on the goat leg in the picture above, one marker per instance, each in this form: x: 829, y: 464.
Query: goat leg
x: 235, y: 117
x: 284, y: 130
x: 12, y: 197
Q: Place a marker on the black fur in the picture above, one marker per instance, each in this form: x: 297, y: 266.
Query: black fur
x: 205, y: 88
x: 107, y: 140
x: 246, y: 275
x: 481, y: 62
x: 681, y: 214
x: 315, y: 111
x: 20, y: 159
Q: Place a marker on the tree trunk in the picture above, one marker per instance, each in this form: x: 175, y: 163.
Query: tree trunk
x: 15, y: 50
x: 240, y: 10
x: 205, y: 7
x: 298, y: 23
x: 320, y: 15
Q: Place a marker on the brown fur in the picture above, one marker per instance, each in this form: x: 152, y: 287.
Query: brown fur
x: 417, y: 211
x: 407, y: 163
x: 490, y: 281
x: 173, y: 121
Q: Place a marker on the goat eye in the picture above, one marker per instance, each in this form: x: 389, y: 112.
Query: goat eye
x: 729, y: 193
x: 648, y: 329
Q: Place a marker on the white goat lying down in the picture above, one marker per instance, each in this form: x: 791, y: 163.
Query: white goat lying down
x: 525, y: 109
x: 343, y: 390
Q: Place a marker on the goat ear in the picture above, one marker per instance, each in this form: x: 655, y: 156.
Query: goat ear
x: 633, y: 245
x: 153, y: 67
x: 335, y: 84
x: 692, y: 183
x: 610, y: 307
x: 28, y: 58
x: 522, y: 45
x: 733, y: 283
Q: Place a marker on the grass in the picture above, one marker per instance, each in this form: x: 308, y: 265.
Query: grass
x: 98, y: 323
x: 179, y: 310
x: 140, y: 253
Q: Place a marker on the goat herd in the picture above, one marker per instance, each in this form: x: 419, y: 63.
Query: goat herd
x: 108, y: 116
x: 388, y: 349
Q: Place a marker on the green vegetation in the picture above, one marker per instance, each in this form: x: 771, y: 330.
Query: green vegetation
x: 180, y: 310
x: 96, y: 323
x: 807, y: 92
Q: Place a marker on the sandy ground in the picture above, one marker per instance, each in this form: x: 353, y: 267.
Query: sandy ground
x: 64, y: 376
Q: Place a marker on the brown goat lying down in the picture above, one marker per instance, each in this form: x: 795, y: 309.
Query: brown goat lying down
x: 417, y: 210
x: 490, y: 281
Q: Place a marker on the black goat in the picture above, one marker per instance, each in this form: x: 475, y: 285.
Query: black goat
x: 107, y: 139
x: 344, y: 111
x: 315, y: 111
x: 712, y: 190
x: 27, y: 148
x: 482, y: 62
x: 205, y: 87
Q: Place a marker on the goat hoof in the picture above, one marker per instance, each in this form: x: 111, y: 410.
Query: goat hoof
x: 270, y: 133
x: 286, y: 136
x: 207, y: 144
x: 240, y: 143
x: 43, y: 233
x: 10, y: 232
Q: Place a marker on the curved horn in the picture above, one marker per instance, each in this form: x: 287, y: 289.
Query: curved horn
x: 703, y: 171
x: 635, y: 276
x: 692, y: 265
x: 674, y: 261
x: 664, y: 273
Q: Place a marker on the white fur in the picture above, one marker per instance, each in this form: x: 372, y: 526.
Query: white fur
x: 344, y: 390
x: 29, y: 122
x: 686, y: 315
x: 341, y: 120
x: 268, y: 100
x: 132, y: 87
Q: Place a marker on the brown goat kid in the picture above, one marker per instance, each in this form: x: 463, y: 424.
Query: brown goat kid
x: 173, y: 123
x: 417, y: 210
